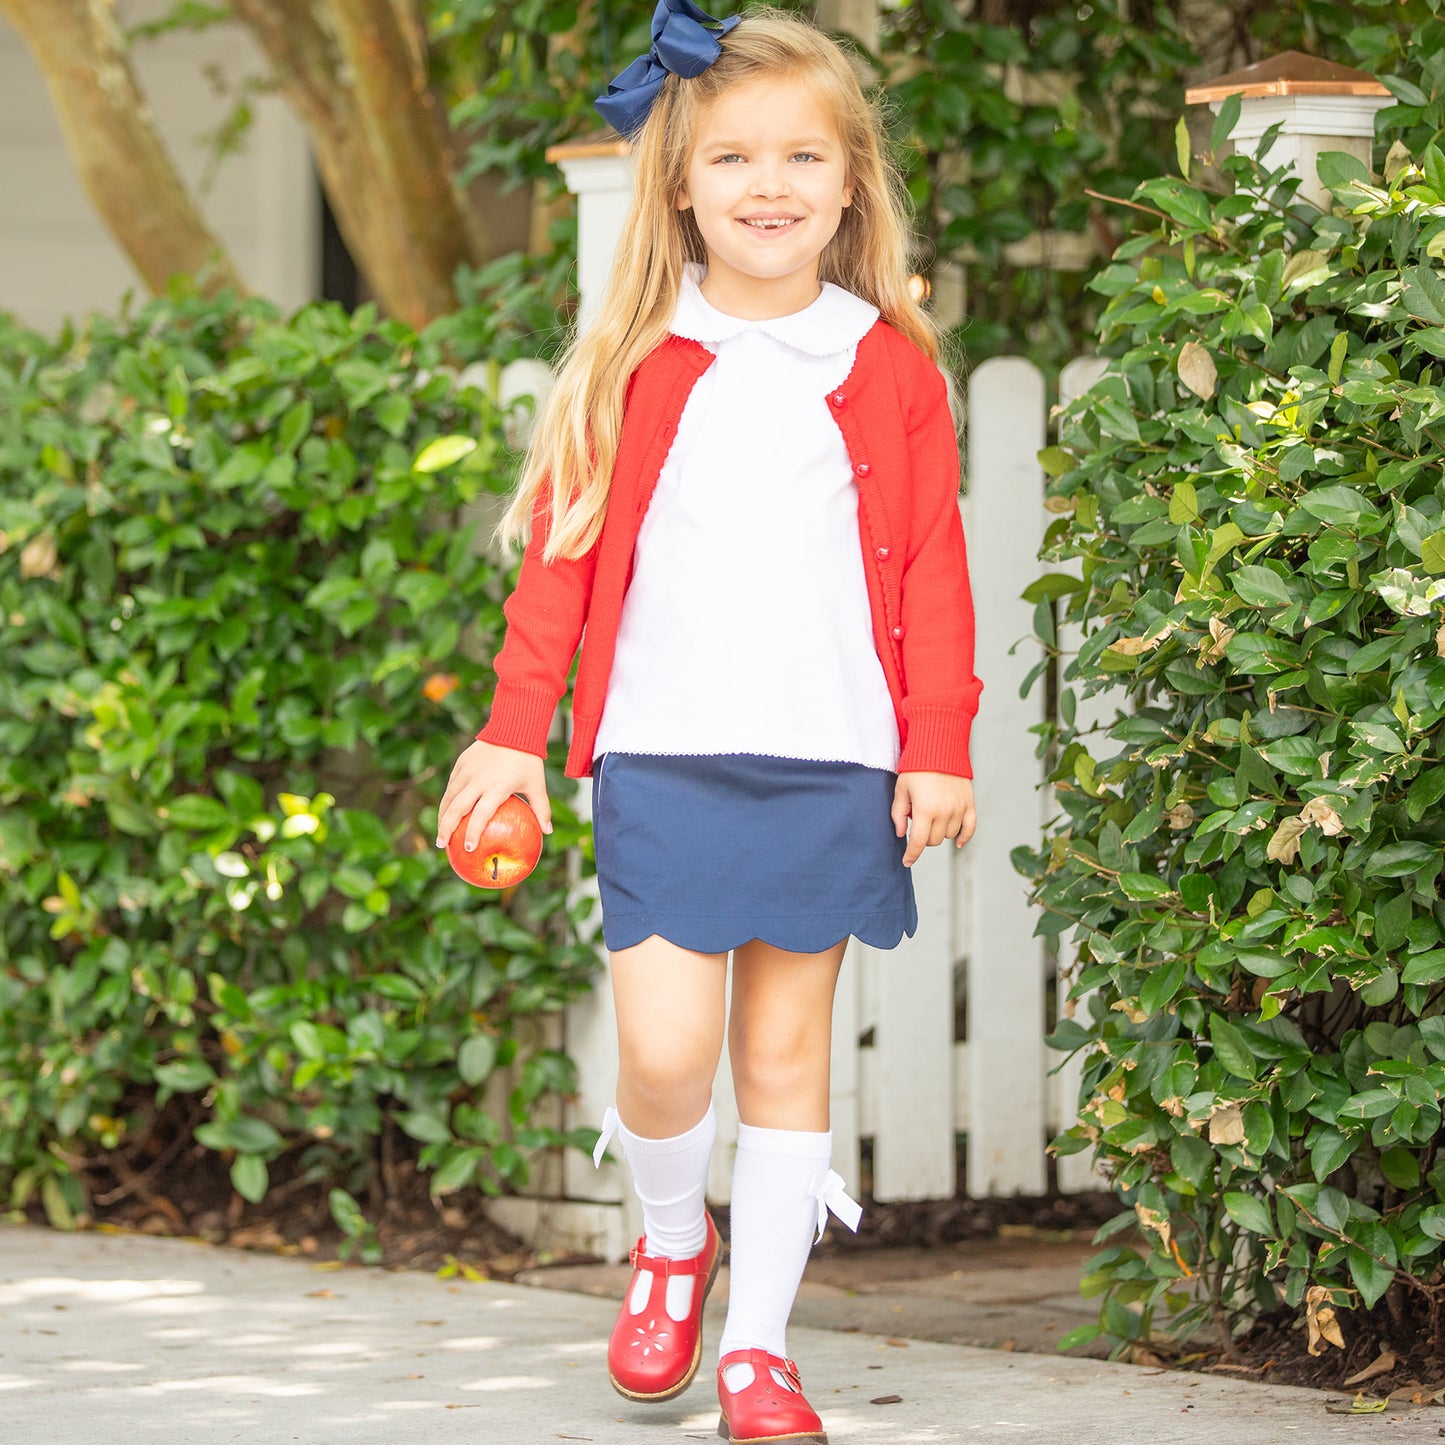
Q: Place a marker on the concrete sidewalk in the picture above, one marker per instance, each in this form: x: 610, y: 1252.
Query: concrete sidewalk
x: 110, y: 1338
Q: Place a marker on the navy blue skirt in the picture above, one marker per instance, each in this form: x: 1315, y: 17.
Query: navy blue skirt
x: 712, y: 851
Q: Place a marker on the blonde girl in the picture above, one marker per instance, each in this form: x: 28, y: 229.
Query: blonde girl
x: 744, y: 488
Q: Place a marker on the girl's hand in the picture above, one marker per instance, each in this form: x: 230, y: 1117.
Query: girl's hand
x: 940, y: 806
x: 482, y: 778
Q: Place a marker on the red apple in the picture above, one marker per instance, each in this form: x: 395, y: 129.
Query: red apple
x: 506, y: 852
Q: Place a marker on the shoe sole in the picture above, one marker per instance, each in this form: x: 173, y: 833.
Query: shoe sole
x: 811, y: 1437
x: 672, y: 1394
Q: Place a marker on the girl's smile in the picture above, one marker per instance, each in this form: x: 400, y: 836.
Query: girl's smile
x: 767, y: 185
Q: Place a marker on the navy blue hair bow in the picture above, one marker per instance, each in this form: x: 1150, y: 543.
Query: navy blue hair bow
x: 684, y: 42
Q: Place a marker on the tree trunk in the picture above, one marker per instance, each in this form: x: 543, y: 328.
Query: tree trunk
x: 858, y: 18
x: 114, y: 145
x: 355, y: 72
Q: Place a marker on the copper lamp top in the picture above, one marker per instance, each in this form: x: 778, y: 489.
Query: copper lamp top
x: 604, y: 142
x: 1289, y: 73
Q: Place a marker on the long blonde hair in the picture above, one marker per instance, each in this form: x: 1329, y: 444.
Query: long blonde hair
x: 574, y: 447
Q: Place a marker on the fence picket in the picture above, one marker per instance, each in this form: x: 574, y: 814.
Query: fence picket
x: 1005, y: 962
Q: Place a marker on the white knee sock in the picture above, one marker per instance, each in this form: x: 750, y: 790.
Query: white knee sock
x: 781, y: 1181
x: 670, y: 1176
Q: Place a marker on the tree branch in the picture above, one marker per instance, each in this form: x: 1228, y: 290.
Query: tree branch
x: 114, y: 145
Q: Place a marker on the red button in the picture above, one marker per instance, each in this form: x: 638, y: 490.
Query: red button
x: 862, y: 470
x: 838, y: 398
x: 882, y: 554
x: 898, y: 634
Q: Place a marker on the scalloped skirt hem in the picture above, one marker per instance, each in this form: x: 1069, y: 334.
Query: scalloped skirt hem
x: 711, y: 851
x: 702, y: 935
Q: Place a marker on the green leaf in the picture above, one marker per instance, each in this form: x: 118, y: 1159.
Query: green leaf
x: 1181, y: 146
x: 1225, y: 121
x: 1339, y: 169
x: 1330, y: 1149
x: 1432, y: 552
x: 1260, y: 586
x: 476, y: 1058
x: 1339, y: 506
x: 427, y: 1128
x: 443, y: 452
x: 1401, y: 1167
x: 250, y: 1177
x: 184, y: 1076
x: 196, y: 811
x: 1248, y: 1212
x: 458, y: 1170
x: 1230, y: 1048
x: 1145, y: 886
x: 1372, y: 1278
x: 1056, y: 461
x: 1394, y: 860
x: 1424, y: 294
x: 244, y: 1133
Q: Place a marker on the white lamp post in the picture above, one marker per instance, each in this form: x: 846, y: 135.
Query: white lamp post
x: 1318, y: 105
x: 599, y: 172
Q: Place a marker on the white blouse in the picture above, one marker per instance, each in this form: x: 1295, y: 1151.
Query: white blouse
x: 746, y: 627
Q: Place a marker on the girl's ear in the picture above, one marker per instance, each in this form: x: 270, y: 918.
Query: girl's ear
x: 848, y: 194
x: 683, y: 201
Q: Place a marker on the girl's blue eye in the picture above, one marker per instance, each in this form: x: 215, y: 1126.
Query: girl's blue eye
x: 806, y: 156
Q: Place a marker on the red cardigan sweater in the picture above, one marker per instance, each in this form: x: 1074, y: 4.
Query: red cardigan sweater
x: 893, y: 414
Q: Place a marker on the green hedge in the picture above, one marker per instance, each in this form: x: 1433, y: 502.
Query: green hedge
x: 245, y: 638
x: 1249, y: 859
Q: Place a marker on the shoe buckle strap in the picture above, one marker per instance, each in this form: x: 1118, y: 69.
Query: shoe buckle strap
x: 829, y: 1192
x: 610, y: 1121
x: 659, y: 1264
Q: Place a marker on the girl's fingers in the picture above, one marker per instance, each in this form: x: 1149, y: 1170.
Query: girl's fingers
x: 482, y: 812
x: 900, y: 809
x: 454, y: 813
x: 542, y: 806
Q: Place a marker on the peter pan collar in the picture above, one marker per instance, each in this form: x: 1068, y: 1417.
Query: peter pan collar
x: 837, y: 321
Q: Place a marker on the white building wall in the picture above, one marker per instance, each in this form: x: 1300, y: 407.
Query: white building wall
x: 56, y: 258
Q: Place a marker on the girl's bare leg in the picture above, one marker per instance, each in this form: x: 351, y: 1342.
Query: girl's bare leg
x: 671, y: 1003
x: 780, y: 1034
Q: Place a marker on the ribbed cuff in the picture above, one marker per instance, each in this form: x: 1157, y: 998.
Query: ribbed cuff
x: 937, y: 741
x: 521, y: 718
x: 795, y: 1143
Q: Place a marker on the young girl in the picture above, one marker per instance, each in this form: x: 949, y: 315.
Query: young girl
x: 745, y: 487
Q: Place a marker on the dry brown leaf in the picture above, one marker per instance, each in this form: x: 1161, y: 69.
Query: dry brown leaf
x: 1153, y: 1219
x: 1383, y: 1364
x: 38, y: 556
x: 1324, y: 1328
x: 1284, y: 846
x: 1181, y: 816
x: 1226, y: 1124
x: 1440, y: 641
x: 1324, y: 817
x: 1197, y: 370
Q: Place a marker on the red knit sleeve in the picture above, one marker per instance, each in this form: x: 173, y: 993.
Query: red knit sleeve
x: 940, y: 691
x: 545, y: 615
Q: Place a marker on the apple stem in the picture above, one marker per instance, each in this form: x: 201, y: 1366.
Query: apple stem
x: 495, y: 861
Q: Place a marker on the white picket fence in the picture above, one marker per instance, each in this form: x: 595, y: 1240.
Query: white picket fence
x: 905, y: 1076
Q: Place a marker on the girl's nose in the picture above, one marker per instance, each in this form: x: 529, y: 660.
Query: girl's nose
x: 769, y: 181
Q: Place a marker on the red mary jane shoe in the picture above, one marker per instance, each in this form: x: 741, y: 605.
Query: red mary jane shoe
x: 651, y: 1356
x: 763, y: 1410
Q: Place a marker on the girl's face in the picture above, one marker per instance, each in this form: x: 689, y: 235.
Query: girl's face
x: 767, y: 184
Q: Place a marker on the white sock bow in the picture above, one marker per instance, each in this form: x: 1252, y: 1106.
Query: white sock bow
x: 828, y: 1191
x: 610, y: 1122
